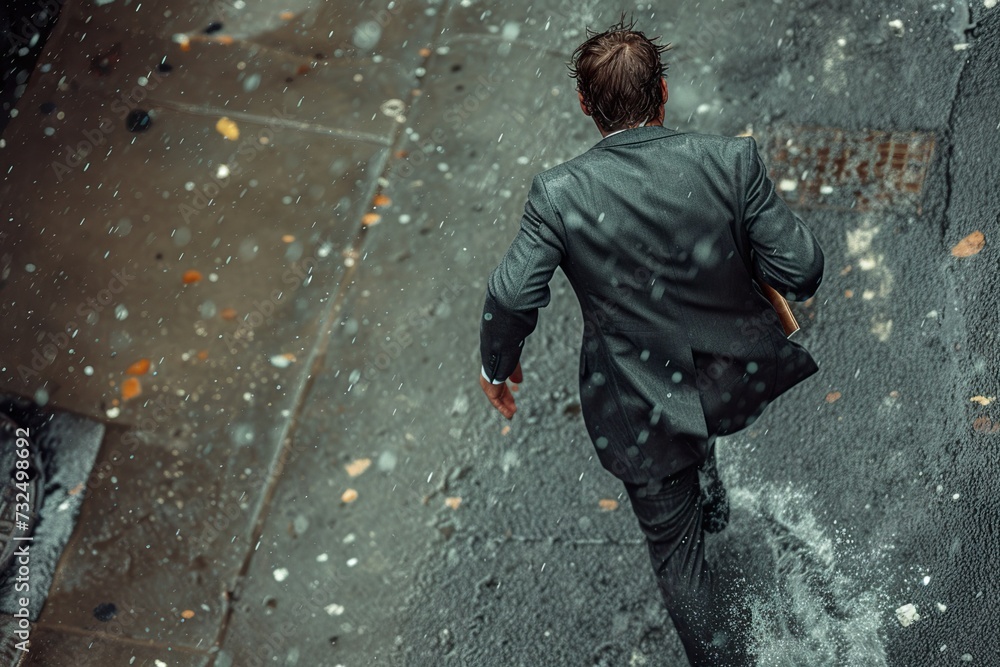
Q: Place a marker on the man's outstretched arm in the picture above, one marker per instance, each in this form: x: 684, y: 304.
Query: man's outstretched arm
x: 786, y: 254
x: 516, y: 289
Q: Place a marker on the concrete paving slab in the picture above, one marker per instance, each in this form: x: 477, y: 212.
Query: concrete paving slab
x: 216, y: 402
x: 189, y: 215
x: 285, y: 273
x: 52, y: 646
x: 254, y: 83
x: 254, y: 62
x: 392, y: 34
x: 162, y: 536
x: 554, y: 25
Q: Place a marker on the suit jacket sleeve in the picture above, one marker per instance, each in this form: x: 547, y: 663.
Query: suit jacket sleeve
x: 519, y: 285
x: 785, y: 252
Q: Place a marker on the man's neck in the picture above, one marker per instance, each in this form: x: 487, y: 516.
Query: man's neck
x: 652, y: 123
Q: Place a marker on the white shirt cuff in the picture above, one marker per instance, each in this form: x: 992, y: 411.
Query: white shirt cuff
x: 487, y: 377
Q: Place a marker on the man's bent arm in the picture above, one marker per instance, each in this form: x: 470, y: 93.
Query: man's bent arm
x: 786, y: 254
x: 519, y: 286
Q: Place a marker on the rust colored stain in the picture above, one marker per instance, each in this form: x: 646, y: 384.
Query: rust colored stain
x: 849, y: 169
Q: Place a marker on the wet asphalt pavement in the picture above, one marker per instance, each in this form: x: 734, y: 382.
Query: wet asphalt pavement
x: 268, y: 290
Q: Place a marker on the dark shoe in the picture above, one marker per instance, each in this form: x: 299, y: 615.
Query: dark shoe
x: 714, y: 507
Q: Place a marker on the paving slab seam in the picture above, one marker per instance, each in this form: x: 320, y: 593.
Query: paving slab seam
x: 105, y: 636
x: 357, y: 244
x: 315, y: 362
x: 301, y: 392
x: 272, y: 121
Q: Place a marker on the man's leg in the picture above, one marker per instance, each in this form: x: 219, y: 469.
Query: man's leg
x: 670, y: 514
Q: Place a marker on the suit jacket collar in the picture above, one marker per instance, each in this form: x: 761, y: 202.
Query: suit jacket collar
x: 635, y: 135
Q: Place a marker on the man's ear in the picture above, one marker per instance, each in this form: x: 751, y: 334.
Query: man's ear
x: 583, y: 106
x: 663, y: 89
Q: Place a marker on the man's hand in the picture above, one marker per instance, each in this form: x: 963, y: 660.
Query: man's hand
x: 500, y: 395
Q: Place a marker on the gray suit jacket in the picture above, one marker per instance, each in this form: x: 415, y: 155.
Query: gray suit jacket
x: 660, y: 232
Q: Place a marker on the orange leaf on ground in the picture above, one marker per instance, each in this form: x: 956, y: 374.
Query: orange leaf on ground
x: 227, y: 128
x: 187, y: 613
x: 228, y: 314
x: 453, y: 502
x: 381, y: 200
x: 833, y: 397
x: 191, y: 276
x: 287, y: 16
x: 223, y: 39
x: 202, y: 355
x: 608, y: 504
x: 424, y: 52
x: 140, y: 367
x: 970, y: 245
x: 349, y: 496
x: 370, y: 219
x: 355, y: 468
x: 77, y: 489
x: 505, y: 430
x: 131, y: 388
x: 288, y: 238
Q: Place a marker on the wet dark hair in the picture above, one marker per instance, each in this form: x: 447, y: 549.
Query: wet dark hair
x: 618, y: 71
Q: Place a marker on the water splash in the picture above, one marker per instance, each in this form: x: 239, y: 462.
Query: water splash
x: 816, y: 611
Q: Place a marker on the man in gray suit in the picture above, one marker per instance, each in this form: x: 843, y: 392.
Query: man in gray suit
x: 662, y: 235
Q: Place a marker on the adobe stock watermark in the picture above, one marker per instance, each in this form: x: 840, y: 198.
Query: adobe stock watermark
x: 279, y: 643
x: 399, y: 338
x: 299, y: 273
x: 96, y: 137
x: 50, y: 344
x: 116, y: 620
x: 247, y: 150
x: 156, y: 411
x: 28, y: 32
x: 457, y: 115
x: 367, y: 33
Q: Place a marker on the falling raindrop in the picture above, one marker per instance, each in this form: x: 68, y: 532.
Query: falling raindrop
x: 251, y: 83
x: 367, y: 35
x: 510, y: 31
